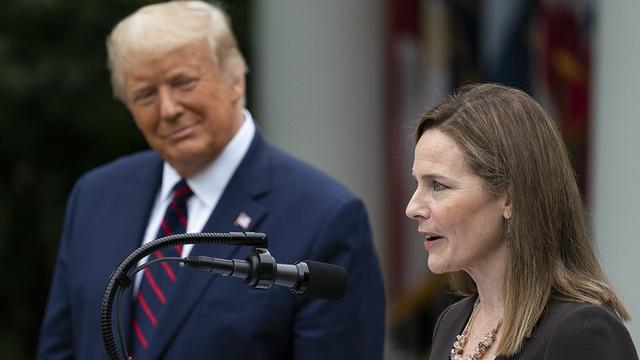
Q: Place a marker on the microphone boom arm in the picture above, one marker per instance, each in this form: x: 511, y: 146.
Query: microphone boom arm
x: 120, y: 278
x: 307, y: 279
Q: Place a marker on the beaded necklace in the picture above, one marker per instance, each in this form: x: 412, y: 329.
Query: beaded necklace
x: 481, y: 348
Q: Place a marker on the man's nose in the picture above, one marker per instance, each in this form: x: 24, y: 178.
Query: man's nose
x: 169, y: 107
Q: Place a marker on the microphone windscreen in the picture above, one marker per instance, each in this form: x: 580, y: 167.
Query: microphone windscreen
x: 326, y: 281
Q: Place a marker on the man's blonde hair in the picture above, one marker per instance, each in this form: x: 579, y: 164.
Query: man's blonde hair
x: 157, y: 29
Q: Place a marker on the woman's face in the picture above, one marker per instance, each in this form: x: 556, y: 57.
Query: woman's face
x: 462, y: 223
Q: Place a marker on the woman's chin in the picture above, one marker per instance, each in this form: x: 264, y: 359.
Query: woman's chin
x: 435, y: 267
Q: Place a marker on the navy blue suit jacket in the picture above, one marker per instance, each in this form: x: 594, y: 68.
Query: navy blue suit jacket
x: 305, y: 214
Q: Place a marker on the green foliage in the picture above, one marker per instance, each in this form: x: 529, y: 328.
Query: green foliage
x: 58, y: 119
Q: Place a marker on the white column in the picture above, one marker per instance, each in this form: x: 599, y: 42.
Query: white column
x: 317, y: 76
x: 616, y: 161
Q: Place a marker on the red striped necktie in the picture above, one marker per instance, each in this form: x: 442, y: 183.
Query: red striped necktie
x: 158, y: 279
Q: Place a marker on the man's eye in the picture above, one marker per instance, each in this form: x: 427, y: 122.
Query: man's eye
x: 144, y: 97
x: 184, y: 83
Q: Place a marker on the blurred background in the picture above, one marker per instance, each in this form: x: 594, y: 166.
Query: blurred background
x: 339, y: 84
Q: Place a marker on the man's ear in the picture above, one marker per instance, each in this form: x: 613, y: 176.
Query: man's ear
x: 238, y: 86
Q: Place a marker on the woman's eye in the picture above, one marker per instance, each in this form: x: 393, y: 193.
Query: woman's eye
x: 437, y: 186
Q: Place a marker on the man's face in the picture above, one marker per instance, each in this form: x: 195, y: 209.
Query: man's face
x: 185, y: 107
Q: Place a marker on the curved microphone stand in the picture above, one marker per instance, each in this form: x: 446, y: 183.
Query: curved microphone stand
x: 120, y: 279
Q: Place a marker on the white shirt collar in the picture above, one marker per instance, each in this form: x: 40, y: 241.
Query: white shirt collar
x: 208, y: 184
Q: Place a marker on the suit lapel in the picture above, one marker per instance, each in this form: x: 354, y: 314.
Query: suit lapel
x: 238, y: 201
x: 132, y: 210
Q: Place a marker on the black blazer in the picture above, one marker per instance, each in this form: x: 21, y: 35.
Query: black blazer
x: 566, y: 331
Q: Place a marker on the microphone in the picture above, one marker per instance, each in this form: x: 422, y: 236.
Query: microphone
x: 307, y: 279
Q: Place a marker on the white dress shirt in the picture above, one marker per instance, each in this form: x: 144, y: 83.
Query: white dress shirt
x: 207, y: 187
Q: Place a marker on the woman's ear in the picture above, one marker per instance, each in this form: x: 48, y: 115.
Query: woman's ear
x: 506, y: 205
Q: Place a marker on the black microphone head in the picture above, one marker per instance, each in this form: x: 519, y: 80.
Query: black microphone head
x: 325, y: 281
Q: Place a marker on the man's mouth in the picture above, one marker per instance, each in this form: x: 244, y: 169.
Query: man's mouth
x: 179, y: 133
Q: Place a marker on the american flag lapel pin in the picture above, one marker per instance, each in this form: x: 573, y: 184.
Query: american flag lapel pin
x: 243, y: 220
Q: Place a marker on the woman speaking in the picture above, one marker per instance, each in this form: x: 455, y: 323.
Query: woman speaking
x: 500, y: 212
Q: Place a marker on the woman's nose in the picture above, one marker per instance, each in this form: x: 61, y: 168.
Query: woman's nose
x: 415, y: 208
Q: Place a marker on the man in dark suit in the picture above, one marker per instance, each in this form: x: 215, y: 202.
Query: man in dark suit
x: 177, y: 68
